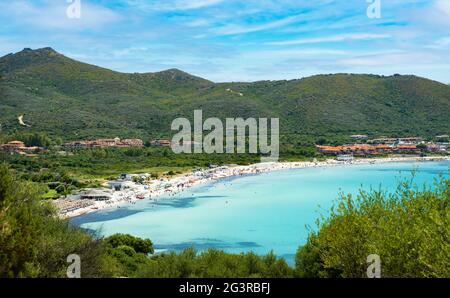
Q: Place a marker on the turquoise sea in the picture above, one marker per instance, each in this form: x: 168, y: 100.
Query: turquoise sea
x: 259, y: 213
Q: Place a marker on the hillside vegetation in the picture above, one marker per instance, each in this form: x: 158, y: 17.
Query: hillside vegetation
x: 69, y: 99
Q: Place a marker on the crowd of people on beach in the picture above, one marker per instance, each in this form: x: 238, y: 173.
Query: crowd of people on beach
x: 169, y: 187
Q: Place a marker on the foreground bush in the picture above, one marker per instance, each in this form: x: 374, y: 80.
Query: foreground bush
x: 33, y: 242
x: 214, y: 263
x: 409, y: 230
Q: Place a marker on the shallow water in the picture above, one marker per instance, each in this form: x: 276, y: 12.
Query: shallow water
x: 259, y: 213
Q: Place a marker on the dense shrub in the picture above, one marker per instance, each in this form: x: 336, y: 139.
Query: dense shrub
x: 33, y: 242
x: 408, y: 229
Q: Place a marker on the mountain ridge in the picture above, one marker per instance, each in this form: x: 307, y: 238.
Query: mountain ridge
x: 72, y: 99
x: 49, y: 51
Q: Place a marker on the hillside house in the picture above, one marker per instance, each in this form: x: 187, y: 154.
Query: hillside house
x: 368, y: 149
x: 18, y: 147
x: 393, y: 141
x: 359, y: 137
x: 105, y: 143
x: 160, y: 143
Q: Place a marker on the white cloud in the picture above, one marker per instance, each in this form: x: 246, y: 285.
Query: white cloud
x: 197, y: 23
x: 394, y: 58
x: 440, y: 44
x: 8, y: 45
x: 437, y: 14
x: 334, y: 38
x: 291, y: 54
x: 239, y: 29
x: 193, y: 4
x: 443, y: 6
x: 172, y: 4
x: 443, y: 42
x: 131, y: 51
x: 53, y: 15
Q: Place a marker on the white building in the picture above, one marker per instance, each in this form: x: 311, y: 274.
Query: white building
x: 118, y: 185
x: 345, y: 157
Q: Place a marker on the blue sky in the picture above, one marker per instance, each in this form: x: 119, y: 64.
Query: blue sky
x: 228, y: 40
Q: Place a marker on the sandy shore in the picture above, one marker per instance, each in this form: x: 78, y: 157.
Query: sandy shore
x: 157, y: 188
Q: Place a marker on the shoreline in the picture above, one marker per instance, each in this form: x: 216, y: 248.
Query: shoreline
x: 158, y: 188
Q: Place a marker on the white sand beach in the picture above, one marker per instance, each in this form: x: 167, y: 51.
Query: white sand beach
x: 156, y: 188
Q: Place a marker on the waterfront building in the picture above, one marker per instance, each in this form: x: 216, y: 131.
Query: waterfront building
x: 95, y: 195
x: 345, y: 157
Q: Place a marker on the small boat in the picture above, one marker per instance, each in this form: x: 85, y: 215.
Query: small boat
x: 140, y: 197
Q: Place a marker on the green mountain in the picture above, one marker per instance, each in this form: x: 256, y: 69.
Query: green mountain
x: 70, y: 99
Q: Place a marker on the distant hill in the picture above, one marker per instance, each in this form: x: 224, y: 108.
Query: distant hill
x: 70, y: 99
